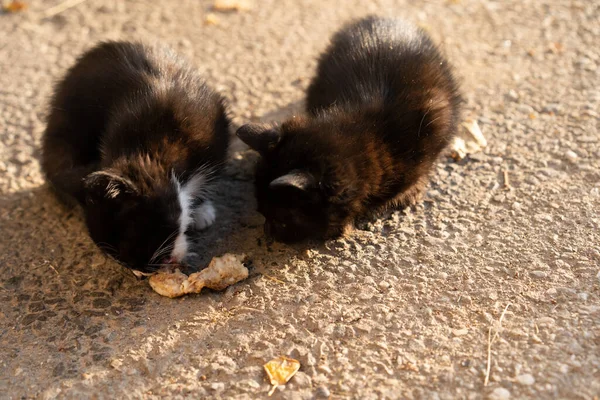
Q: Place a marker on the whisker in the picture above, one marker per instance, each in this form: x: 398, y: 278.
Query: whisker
x: 162, y: 253
x: 160, y: 248
x: 423, y: 119
x: 165, y: 242
x: 432, y: 121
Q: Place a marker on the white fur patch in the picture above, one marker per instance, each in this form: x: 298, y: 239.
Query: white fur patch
x: 185, y: 194
x: 205, y: 215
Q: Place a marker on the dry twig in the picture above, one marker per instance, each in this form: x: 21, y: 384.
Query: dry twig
x: 506, y: 179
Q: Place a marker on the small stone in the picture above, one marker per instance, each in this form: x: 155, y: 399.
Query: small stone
x: 478, y: 157
x: 460, y: 332
x: 571, y: 156
x: 525, y: 109
x: 248, y: 384
x: 552, y: 108
x: 217, y: 386
x: 526, y: 379
x: 301, y: 380
x: 22, y: 158
x: 499, y: 394
x: 512, y: 95
x: 583, y: 296
x: 442, y: 275
x: 546, y: 321
x: 322, y: 393
x: 538, y: 274
x: 383, y: 285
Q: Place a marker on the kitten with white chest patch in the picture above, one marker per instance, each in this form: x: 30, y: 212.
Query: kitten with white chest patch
x: 136, y: 137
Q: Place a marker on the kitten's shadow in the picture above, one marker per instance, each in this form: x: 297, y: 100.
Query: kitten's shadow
x: 239, y: 227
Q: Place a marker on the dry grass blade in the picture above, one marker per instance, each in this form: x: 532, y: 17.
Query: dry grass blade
x: 489, y: 346
x: 64, y: 6
x: 489, y: 358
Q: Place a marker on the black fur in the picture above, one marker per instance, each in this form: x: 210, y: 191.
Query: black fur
x: 381, y: 108
x: 123, y: 121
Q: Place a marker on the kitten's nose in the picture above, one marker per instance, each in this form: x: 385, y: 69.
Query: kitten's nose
x: 169, y: 260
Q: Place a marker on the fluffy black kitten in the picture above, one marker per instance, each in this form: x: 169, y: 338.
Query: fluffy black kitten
x: 381, y: 108
x: 135, y: 136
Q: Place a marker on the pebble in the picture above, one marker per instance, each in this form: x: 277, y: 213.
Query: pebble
x: 571, y: 156
x: 247, y: 384
x: 525, y: 109
x: 322, y: 393
x: 526, y: 379
x: 538, y: 274
x: 512, y: 95
x: 383, y: 285
x: 553, y: 108
x: 301, y: 379
x: 460, y: 332
x: 545, y: 321
x: 217, y: 386
x: 499, y: 394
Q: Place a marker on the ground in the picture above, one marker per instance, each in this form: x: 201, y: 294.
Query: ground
x: 410, y: 306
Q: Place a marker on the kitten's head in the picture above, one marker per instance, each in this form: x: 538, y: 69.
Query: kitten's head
x: 300, y: 189
x: 139, y: 226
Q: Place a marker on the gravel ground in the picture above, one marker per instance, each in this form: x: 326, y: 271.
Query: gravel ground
x: 403, y: 306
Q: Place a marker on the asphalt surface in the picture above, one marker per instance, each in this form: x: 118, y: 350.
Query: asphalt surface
x: 404, y: 307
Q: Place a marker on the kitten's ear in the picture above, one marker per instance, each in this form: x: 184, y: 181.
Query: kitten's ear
x: 297, y: 179
x: 259, y: 137
x: 106, y: 185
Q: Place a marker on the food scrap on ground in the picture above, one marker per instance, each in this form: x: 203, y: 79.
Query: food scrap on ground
x: 222, y: 272
x: 211, y: 19
x: 231, y: 5
x: 280, y: 370
x: 469, y: 140
x: 14, y: 6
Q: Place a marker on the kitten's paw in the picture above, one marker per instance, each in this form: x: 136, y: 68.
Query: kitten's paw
x: 205, y: 215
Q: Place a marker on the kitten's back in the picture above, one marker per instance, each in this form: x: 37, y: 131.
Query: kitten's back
x: 80, y: 109
x: 376, y: 61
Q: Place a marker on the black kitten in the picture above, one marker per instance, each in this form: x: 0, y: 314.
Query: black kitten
x: 381, y: 108
x: 135, y: 136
